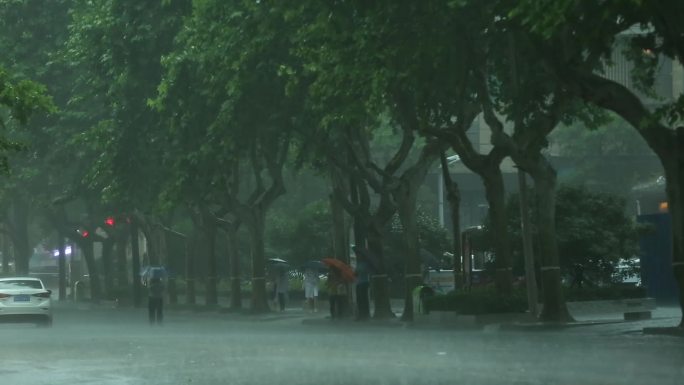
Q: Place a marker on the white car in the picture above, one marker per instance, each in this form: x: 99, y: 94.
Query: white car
x: 25, y: 299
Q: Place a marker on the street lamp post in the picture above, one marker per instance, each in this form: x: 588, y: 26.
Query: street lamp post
x: 440, y: 190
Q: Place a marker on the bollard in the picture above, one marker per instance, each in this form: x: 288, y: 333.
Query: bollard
x: 77, y: 284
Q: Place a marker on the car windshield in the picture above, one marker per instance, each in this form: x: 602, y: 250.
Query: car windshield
x: 21, y: 284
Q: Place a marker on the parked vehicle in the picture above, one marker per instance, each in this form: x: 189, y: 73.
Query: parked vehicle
x: 25, y: 299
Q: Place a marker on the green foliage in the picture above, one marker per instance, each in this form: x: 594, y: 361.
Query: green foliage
x: 117, y: 46
x: 22, y: 97
x: 172, y: 102
x: 645, y: 31
x: 431, y: 235
x: 478, y: 301
x: 593, y: 232
x: 612, y: 158
x: 301, y: 237
x: 225, y: 98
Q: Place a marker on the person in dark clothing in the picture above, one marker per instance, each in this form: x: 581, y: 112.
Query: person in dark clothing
x: 336, y: 293
x: 362, y: 285
x: 578, y: 276
x: 155, y: 304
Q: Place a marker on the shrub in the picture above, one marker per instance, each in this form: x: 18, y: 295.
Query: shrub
x: 481, y: 301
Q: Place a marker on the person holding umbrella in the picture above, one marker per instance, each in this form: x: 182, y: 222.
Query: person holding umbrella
x: 311, y: 280
x: 339, y: 276
x: 282, y: 286
x: 366, y: 264
x: 155, y: 302
x: 336, y: 292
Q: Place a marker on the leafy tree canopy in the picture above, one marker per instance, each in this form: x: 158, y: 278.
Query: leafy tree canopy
x: 593, y: 232
x: 611, y: 158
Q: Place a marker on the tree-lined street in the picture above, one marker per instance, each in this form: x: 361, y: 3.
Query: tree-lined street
x: 208, y: 153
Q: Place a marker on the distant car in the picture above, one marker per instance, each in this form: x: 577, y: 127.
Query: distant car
x: 628, y: 272
x: 25, y: 299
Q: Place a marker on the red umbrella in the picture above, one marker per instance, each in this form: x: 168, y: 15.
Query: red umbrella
x: 345, y: 270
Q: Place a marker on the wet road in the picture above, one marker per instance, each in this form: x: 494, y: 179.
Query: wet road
x: 116, y: 346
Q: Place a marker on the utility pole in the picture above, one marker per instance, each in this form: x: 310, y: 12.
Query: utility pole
x: 530, y: 276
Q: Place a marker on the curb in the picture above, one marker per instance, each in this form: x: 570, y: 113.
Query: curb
x: 352, y: 323
x: 537, y: 326
x: 665, y: 331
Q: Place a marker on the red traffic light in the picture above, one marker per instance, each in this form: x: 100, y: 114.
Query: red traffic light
x: 84, y: 233
x: 110, y: 221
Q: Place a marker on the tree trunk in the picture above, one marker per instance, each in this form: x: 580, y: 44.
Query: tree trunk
x: 121, y: 268
x: 190, y: 293
x: 22, y: 249
x: 169, y: 243
x: 406, y: 196
x: 379, y: 280
x: 406, y: 202
x: 360, y: 224
x: 340, y: 238
x: 235, y: 271
x: 674, y: 174
x: 107, y: 268
x: 544, y: 178
x: 488, y: 168
x: 211, y: 298
x: 494, y: 189
x: 135, y: 264
x: 93, y: 273
x: 528, y: 251
x: 256, y: 236
x: 339, y: 229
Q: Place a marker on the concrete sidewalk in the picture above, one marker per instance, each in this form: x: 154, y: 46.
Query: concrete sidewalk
x: 584, y: 315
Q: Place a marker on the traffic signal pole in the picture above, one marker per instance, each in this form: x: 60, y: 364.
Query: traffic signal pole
x: 135, y: 250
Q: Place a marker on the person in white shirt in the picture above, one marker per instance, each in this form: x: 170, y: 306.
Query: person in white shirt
x: 282, y: 286
x: 311, y: 279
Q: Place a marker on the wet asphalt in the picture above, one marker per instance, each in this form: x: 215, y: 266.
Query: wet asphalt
x: 102, y: 345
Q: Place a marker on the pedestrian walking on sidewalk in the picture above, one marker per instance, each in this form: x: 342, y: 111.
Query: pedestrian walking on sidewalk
x: 337, y: 290
x: 282, y: 287
x: 362, y: 286
x: 311, y: 281
x: 155, y: 302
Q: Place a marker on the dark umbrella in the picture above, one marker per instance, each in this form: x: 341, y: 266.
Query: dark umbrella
x: 345, y: 270
x: 313, y: 265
